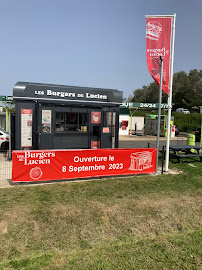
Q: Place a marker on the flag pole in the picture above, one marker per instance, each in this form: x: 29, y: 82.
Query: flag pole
x: 170, y: 98
x: 159, y: 113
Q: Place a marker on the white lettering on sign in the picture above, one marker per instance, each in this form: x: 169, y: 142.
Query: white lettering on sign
x: 31, y: 158
x: 86, y: 168
x: 70, y: 94
x: 80, y: 95
x: 158, y: 52
x: 60, y: 94
x: 89, y: 159
x: 96, y: 96
x: 41, y: 93
x: 94, y: 167
x: 147, y: 105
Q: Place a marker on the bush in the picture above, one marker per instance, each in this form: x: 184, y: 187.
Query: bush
x: 187, y: 122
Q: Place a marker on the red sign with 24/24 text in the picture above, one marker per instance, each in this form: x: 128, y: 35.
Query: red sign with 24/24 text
x: 44, y: 165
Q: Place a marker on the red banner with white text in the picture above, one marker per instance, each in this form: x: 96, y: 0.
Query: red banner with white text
x: 45, y: 165
x: 158, y: 43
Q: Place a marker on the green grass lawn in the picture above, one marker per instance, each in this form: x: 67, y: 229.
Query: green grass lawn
x: 140, y: 222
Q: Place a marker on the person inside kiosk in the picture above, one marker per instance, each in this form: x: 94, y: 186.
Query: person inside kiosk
x: 65, y: 117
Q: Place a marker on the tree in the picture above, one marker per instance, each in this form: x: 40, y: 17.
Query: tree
x: 194, y: 89
x: 187, y: 90
x: 148, y: 94
x: 180, y: 82
x: 140, y: 95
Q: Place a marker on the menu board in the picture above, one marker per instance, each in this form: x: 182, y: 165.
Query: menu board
x: 26, y: 128
x: 46, y: 121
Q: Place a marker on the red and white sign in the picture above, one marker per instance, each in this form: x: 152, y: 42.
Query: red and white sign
x: 44, y: 165
x: 46, y: 121
x: 26, y: 128
x: 95, y: 117
x: 158, y: 43
x: 95, y: 144
x: 105, y: 129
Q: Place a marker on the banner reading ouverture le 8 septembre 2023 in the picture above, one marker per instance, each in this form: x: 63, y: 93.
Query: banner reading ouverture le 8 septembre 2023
x: 45, y: 165
x: 158, y: 43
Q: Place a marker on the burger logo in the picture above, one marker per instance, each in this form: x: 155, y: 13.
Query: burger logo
x: 35, y: 173
x: 153, y: 30
x: 141, y: 161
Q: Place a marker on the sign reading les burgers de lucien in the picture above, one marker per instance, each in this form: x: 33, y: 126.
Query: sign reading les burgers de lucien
x: 158, y: 43
x: 70, y: 94
x: 43, y: 165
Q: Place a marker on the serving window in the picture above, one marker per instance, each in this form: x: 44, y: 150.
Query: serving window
x: 67, y: 122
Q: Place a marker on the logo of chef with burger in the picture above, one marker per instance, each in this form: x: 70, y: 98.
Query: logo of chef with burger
x: 96, y: 117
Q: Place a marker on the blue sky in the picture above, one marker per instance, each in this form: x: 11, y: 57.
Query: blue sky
x: 95, y: 43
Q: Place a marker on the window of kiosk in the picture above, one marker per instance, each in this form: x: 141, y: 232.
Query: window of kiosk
x: 46, y: 121
x: 71, y: 122
x: 108, y: 120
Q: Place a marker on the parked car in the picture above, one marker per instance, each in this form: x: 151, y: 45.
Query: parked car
x: 198, y: 135
x: 4, y: 139
x: 177, y: 131
x: 182, y: 110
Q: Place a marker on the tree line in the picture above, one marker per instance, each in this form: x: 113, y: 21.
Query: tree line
x: 187, y: 90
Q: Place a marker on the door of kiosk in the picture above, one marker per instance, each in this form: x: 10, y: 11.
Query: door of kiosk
x: 95, y: 129
x: 102, y: 129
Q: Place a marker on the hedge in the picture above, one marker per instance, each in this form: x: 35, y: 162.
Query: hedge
x: 187, y: 122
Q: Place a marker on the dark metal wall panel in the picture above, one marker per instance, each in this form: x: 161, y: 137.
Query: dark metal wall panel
x: 71, y: 141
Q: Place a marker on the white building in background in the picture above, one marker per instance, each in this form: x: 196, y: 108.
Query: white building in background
x: 140, y: 125
x: 5, y: 103
x: 2, y: 119
x: 125, y: 125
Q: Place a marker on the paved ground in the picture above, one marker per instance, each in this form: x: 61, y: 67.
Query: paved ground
x: 143, y: 141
